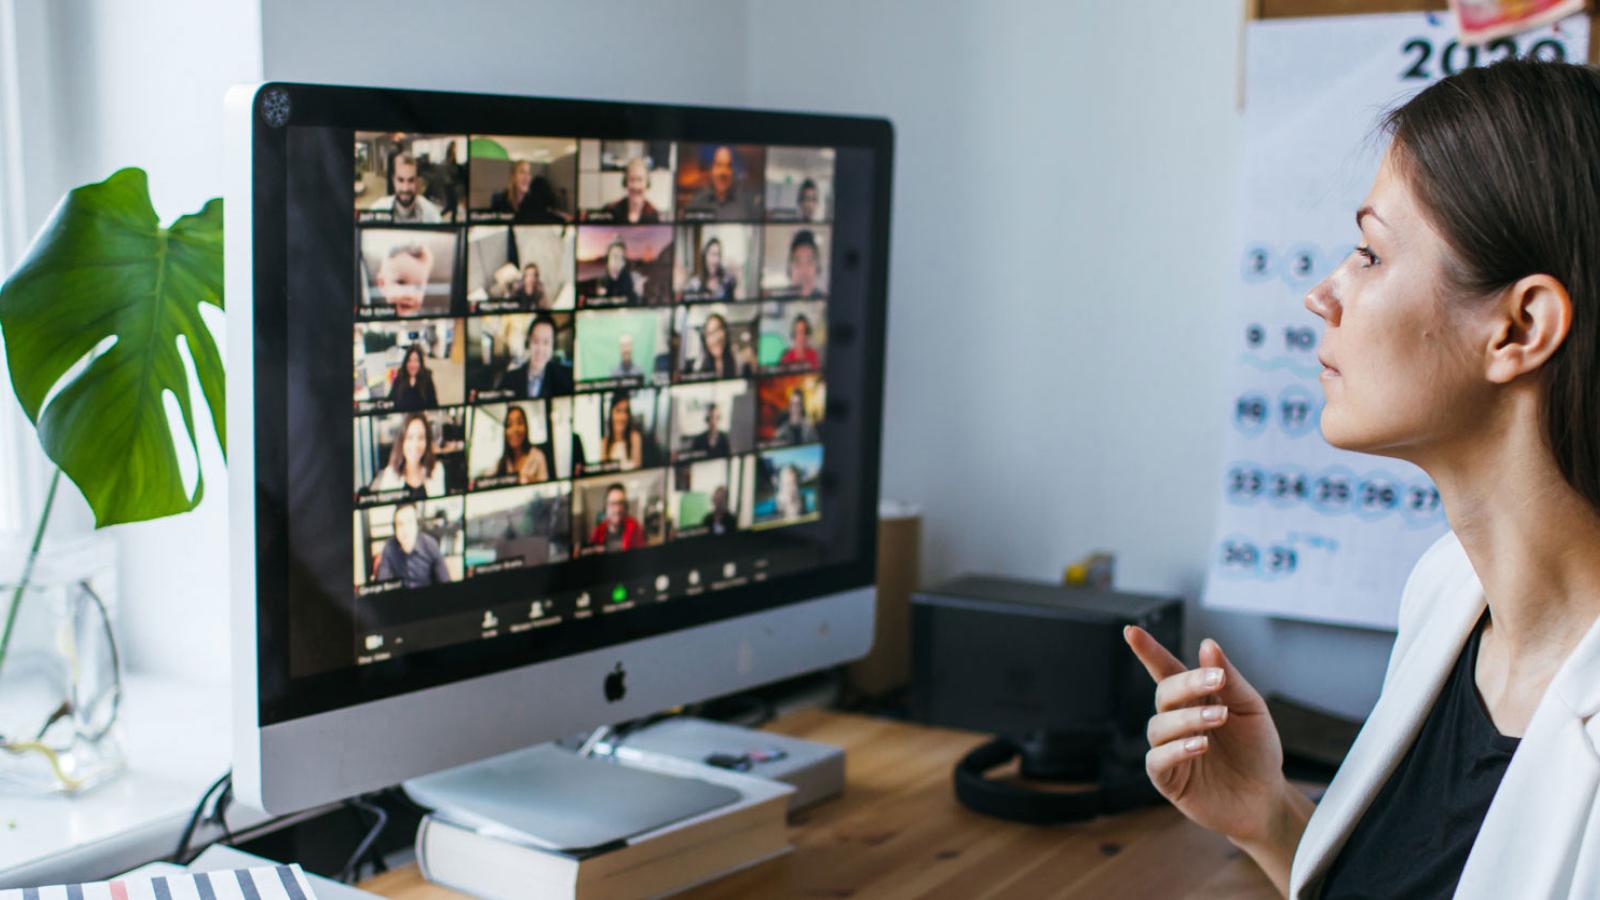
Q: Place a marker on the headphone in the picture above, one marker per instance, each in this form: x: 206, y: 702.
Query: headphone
x: 1122, y: 785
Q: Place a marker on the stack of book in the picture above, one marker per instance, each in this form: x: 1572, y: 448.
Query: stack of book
x: 495, y: 862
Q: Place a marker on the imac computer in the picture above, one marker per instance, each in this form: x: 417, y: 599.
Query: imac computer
x: 542, y: 414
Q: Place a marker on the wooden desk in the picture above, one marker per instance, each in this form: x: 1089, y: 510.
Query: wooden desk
x: 898, y: 832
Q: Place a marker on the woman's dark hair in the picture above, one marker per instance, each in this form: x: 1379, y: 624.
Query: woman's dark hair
x: 705, y: 270
x: 611, y: 436
x: 397, y: 453
x: 727, y: 344
x: 1504, y: 161
x: 422, y: 361
x: 508, y: 464
x: 407, y: 397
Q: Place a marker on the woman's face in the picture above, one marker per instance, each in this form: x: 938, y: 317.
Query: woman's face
x: 801, y: 332
x: 1402, y: 369
x: 530, y: 278
x: 788, y: 482
x: 713, y: 257
x: 716, y: 336
x: 615, y: 259
x: 413, y: 363
x: 522, y: 176
x: 416, y: 442
x: 620, y: 415
x: 516, y: 428
x: 636, y: 179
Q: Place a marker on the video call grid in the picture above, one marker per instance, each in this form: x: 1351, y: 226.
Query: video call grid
x: 560, y: 483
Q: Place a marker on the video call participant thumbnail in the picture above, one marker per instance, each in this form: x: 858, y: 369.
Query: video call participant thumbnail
x: 793, y: 336
x: 625, y: 182
x: 717, y: 262
x: 787, y: 482
x: 800, y: 184
x: 514, y: 443
x: 519, y: 355
x: 410, y: 178
x: 624, y: 265
x: 705, y: 498
x: 520, y: 267
x: 717, y: 341
x: 720, y: 182
x: 795, y: 261
x: 410, y: 455
x: 518, y: 527
x: 623, y: 347
x: 406, y: 273
x: 619, y: 431
x: 614, y: 513
x: 526, y: 180
x: 712, y: 419
x: 792, y: 407
x: 408, y: 545
x: 408, y: 365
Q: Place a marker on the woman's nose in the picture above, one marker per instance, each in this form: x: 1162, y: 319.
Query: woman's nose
x: 1322, y: 303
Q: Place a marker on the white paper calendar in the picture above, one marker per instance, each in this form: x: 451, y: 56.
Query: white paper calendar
x: 1303, y: 530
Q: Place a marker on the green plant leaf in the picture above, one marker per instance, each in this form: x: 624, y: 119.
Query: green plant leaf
x: 103, y: 267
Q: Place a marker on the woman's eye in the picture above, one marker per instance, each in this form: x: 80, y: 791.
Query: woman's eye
x: 1368, y: 258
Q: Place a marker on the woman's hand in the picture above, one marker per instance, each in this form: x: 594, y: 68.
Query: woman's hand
x: 1215, y: 754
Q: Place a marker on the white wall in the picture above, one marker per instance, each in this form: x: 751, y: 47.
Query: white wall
x: 620, y: 49
x: 1063, y: 245
x: 141, y: 84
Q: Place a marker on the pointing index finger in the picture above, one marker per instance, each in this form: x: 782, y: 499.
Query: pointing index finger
x: 1157, y: 660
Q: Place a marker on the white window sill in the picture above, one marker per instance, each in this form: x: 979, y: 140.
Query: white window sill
x: 178, y: 743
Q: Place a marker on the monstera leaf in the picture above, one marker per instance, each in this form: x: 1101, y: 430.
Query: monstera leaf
x: 105, y: 284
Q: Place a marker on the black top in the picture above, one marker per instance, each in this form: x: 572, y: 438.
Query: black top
x: 1414, y: 839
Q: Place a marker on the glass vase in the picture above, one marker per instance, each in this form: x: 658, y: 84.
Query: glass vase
x: 61, y: 676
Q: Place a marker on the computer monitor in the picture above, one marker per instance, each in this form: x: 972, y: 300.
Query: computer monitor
x: 543, y: 414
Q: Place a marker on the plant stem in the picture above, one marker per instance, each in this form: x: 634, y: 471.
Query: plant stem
x: 27, y: 567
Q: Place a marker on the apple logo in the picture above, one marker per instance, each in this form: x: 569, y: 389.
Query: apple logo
x: 615, y: 687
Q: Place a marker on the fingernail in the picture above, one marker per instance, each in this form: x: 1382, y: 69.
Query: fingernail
x: 1213, y: 677
x: 1193, y: 745
x: 1212, y: 713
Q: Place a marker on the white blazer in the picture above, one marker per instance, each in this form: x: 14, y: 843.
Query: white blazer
x: 1541, y: 835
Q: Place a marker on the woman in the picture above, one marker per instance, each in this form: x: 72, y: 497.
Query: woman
x: 616, y: 285
x: 530, y: 288
x: 518, y: 183
x: 412, y: 463
x: 1462, y: 335
x: 710, y: 280
x: 791, y: 504
x: 530, y: 199
x: 716, y: 356
x: 519, y: 457
x: 622, y: 443
x: 413, y: 385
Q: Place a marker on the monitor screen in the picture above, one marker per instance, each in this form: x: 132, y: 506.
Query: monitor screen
x: 616, y: 371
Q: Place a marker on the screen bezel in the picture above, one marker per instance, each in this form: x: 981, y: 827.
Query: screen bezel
x: 282, y: 698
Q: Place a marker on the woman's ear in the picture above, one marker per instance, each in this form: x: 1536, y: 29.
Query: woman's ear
x: 1533, y: 317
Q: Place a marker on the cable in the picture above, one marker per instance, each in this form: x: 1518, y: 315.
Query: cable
x: 224, y: 785
x: 352, y: 869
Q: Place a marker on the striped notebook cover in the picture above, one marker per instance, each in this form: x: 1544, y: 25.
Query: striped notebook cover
x: 265, y: 883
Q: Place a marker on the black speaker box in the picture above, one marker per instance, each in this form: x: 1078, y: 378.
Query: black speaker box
x: 1020, y: 658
